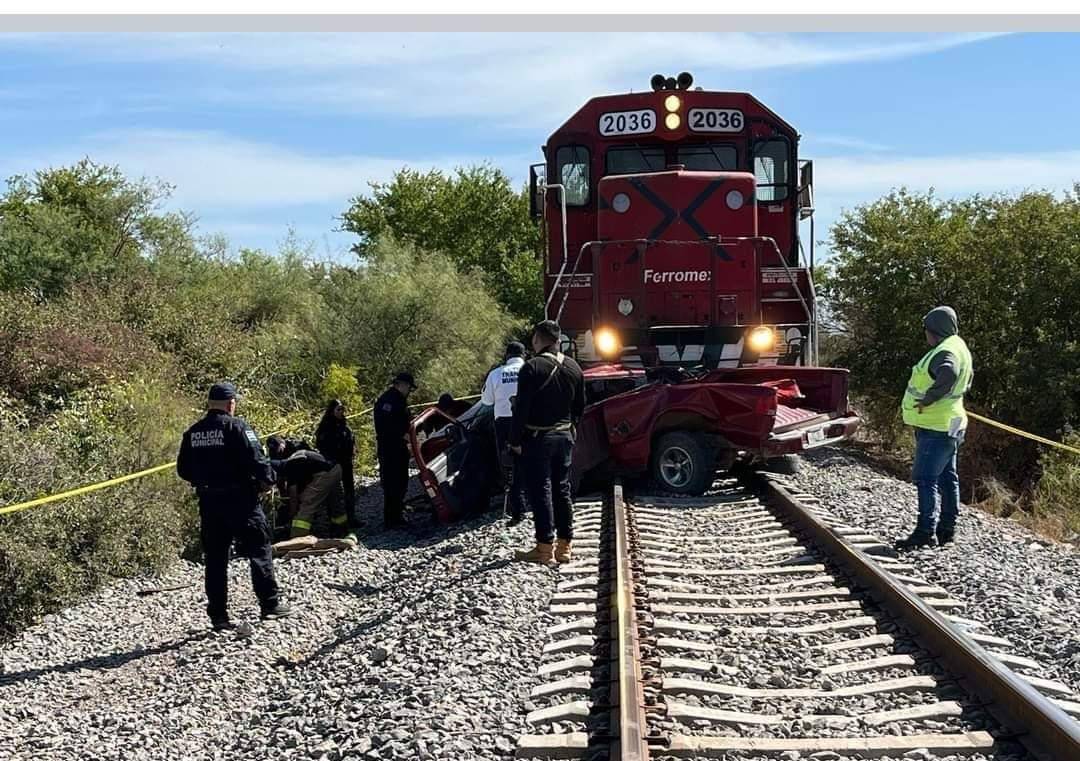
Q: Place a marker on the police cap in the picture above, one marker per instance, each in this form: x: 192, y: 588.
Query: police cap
x: 222, y: 392
x: 405, y: 378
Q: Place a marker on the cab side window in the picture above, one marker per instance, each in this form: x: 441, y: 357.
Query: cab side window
x: 572, y: 169
x: 771, y: 169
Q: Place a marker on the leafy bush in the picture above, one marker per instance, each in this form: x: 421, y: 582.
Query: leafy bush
x: 114, y: 320
x: 1010, y: 266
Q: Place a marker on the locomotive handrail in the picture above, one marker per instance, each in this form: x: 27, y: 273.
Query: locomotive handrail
x: 791, y: 276
x: 565, y: 255
x: 573, y: 272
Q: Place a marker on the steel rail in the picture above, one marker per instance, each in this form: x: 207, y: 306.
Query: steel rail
x: 1046, y: 730
x: 628, y: 721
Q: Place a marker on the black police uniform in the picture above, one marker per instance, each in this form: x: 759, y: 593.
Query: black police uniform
x: 221, y: 457
x: 391, y: 425
x: 550, y: 401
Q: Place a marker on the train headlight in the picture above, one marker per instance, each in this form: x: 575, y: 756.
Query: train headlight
x: 672, y: 121
x: 762, y: 338
x: 672, y: 103
x: 606, y: 342
x: 734, y: 200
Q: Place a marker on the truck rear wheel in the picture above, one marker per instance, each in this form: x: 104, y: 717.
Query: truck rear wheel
x: 683, y: 463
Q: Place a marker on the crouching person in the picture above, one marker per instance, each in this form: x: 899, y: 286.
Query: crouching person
x: 312, y: 482
x: 221, y: 457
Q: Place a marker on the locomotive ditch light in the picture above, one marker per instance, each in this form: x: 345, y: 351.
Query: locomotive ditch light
x: 762, y: 338
x: 672, y: 103
x: 672, y: 121
x: 606, y: 342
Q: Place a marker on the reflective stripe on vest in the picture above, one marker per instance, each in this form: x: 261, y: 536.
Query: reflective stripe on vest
x: 947, y: 413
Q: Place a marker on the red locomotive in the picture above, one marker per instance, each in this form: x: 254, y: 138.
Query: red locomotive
x: 672, y: 221
x: 675, y: 270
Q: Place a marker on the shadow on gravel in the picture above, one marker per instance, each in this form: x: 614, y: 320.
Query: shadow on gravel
x: 100, y: 662
x: 411, y: 574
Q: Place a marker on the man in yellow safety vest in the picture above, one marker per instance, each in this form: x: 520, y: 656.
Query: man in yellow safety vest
x: 934, y: 406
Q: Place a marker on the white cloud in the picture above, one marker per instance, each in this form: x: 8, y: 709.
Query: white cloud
x: 507, y: 77
x: 211, y: 170
x: 868, y: 176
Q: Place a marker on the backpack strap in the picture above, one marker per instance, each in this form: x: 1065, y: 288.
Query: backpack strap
x: 558, y: 359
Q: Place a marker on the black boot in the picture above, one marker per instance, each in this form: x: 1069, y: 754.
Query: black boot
x: 279, y: 610
x: 916, y: 540
x: 945, y: 536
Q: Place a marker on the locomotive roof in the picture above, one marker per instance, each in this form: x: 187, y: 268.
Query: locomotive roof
x: 584, y: 118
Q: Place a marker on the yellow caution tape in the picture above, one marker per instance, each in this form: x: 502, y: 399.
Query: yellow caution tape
x: 1024, y: 434
x: 84, y: 489
x: 156, y: 469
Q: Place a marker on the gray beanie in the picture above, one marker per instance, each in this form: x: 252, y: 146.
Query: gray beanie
x: 942, y: 322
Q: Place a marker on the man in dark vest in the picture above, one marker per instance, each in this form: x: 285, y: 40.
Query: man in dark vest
x: 550, y: 402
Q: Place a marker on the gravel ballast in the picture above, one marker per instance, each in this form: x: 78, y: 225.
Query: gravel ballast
x: 1022, y: 586
x: 420, y: 644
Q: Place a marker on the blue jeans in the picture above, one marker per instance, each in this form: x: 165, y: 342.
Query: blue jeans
x: 934, y: 471
x: 546, y: 462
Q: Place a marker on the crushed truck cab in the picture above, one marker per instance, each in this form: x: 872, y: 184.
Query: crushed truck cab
x: 677, y: 430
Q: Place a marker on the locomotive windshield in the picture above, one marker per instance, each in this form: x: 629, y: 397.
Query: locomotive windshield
x: 635, y: 159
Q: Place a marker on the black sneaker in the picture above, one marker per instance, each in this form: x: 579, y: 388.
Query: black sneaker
x: 222, y: 624
x: 945, y: 537
x: 281, y: 610
x: 916, y: 540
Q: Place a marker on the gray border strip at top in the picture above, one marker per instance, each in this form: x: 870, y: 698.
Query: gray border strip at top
x: 539, y: 23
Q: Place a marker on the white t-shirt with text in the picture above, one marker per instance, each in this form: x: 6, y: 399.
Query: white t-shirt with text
x: 501, y: 384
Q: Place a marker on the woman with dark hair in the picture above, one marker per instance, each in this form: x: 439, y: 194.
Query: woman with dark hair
x: 335, y: 441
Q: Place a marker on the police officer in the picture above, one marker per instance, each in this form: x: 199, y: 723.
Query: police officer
x: 550, y: 402
x: 500, y: 388
x: 933, y: 405
x: 391, y: 431
x: 221, y: 457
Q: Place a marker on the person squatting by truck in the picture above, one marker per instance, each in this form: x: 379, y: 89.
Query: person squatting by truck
x: 311, y: 482
x: 550, y: 402
x: 500, y: 388
x: 933, y: 406
x: 392, y: 419
x: 221, y: 457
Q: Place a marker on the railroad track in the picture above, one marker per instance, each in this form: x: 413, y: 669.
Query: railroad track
x: 751, y: 623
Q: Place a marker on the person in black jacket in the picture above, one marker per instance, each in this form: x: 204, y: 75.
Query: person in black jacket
x: 391, y: 432
x: 549, y: 404
x: 335, y: 440
x: 221, y: 457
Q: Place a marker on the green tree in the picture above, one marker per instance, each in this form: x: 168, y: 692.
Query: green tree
x: 474, y: 216
x: 85, y: 221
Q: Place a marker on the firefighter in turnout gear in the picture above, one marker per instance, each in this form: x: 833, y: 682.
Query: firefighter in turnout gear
x: 500, y: 388
x: 933, y: 405
x: 550, y: 402
x: 311, y: 482
x: 391, y: 430
x: 221, y: 457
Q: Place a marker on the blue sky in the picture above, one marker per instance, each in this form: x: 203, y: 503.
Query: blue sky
x: 260, y: 133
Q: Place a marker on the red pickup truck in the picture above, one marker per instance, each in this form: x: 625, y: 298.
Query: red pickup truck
x: 678, y: 430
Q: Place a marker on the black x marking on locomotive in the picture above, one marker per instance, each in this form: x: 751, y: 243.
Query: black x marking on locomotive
x: 669, y: 213
x: 688, y: 213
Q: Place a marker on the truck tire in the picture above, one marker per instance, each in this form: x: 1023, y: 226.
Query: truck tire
x: 683, y: 463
